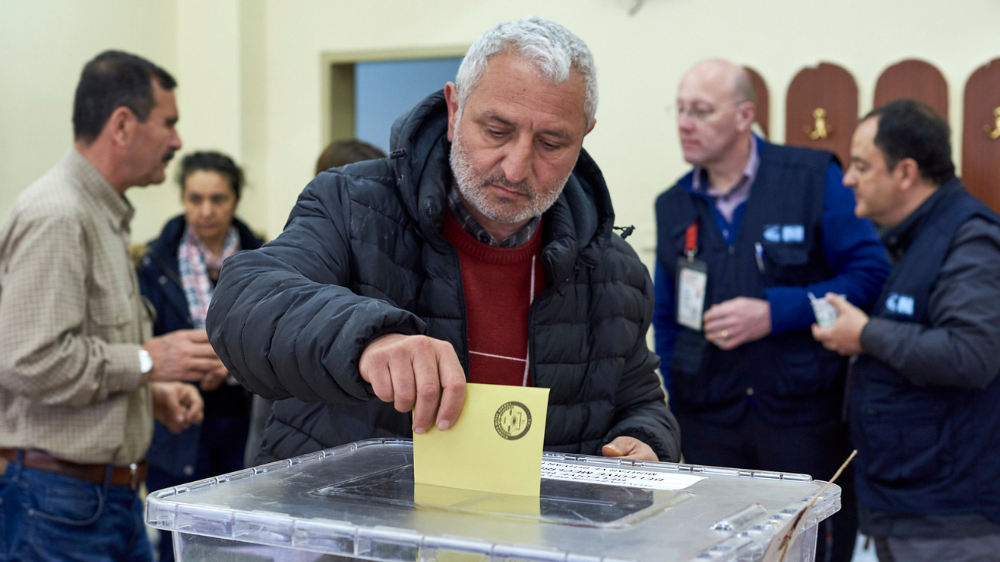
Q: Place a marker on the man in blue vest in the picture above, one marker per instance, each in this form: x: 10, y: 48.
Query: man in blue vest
x: 924, y: 392
x: 742, y: 241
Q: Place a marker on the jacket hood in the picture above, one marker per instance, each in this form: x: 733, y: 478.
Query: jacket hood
x: 420, y: 151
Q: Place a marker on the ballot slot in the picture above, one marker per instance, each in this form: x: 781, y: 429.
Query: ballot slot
x: 561, y: 501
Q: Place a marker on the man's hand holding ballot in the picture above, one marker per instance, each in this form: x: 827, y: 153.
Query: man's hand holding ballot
x: 422, y: 375
x: 418, y: 374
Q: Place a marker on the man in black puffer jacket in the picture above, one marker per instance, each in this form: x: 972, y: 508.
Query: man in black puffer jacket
x: 389, y: 286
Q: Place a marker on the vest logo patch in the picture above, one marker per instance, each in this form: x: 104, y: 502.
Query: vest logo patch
x: 785, y: 233
x: 899, y: 304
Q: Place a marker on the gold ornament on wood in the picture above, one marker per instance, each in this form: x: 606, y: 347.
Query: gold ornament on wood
x: 995, y: 133
x: 820, y: 130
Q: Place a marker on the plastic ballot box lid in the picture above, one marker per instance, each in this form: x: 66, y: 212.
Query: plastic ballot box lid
x: 359, y: 501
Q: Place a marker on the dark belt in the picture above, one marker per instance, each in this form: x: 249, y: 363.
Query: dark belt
x: 130, y: 476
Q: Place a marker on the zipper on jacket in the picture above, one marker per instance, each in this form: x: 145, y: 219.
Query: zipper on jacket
x: 531, y: 315
x: 731, y: 265
x: 532, y: 356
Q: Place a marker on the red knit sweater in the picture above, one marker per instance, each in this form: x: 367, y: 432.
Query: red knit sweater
x: 497, y: 284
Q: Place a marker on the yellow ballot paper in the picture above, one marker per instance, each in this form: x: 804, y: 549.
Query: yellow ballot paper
x: 495, y: 446
x: 473, y: 501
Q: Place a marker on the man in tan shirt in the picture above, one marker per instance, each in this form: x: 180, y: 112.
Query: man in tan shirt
x: 78, y: 386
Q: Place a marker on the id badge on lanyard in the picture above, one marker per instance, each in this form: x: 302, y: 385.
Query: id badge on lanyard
x: 692, y: 281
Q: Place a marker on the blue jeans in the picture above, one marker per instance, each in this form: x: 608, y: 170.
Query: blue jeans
x: 46, y: 516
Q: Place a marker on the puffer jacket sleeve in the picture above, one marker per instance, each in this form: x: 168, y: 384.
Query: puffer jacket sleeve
x: 283, y: 318
x: 641, y: 403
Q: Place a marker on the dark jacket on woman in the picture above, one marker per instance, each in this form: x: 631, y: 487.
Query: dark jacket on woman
x: 363, y: 255
x: 160, y: 282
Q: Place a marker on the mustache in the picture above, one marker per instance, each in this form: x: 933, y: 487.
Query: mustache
x: 523, y: 186
x: 169, y: 156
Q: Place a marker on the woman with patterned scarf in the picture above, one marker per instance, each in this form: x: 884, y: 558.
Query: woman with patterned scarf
x: 177, y: 274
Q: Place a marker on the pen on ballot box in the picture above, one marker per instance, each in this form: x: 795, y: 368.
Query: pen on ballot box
x: 760, y: 256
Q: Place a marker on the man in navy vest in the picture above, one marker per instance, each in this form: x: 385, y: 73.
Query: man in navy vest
x: 924, y: 392
x: 742, y: 241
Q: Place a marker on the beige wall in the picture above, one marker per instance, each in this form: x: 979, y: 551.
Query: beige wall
x: 43, y: 47
x: 214, y: 49
x: 220, y: 93
x: 250, y: 73
x: 639, y: 59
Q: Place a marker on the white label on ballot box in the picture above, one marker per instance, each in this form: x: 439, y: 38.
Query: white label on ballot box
x: 692, y: 279
x: 632, y: 477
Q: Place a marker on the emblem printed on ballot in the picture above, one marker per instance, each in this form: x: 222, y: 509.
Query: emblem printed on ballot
x: 512, y: 420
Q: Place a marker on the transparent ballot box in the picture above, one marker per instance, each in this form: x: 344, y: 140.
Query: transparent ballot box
x: 359, y: 502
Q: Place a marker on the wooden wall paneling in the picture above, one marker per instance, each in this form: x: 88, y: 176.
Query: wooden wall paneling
x: 763, y: 113
x: 981, y: 134
x: 821, y: 110
x: 914, y: 79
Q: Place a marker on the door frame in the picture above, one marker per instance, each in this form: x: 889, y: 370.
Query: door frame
x: 337, y: 104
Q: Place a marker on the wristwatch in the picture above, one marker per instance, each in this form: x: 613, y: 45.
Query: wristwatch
x: 145, y: 361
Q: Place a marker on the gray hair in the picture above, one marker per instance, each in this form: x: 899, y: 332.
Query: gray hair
x: 550, y: 47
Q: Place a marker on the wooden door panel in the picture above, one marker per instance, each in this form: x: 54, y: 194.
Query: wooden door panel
x: 981, y: 134
x: 914, y: 79
x: 821, y: 110
x: 763, y: 113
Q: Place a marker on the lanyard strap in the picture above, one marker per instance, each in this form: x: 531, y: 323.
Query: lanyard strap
x: 691, y: 240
